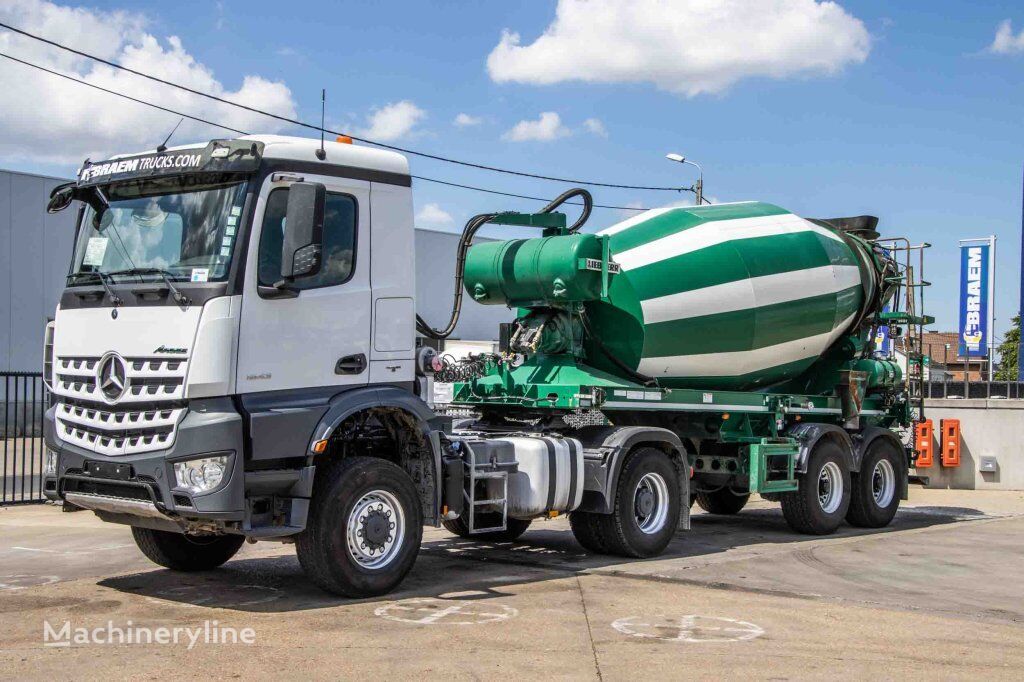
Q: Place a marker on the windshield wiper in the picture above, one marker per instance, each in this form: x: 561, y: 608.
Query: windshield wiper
x: 105, y: 280
x: 179, y: 298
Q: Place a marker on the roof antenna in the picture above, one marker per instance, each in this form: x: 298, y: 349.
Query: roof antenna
x: 322, y: 153
x: 163, y: 145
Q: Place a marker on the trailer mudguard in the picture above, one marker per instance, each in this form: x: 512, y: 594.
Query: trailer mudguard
x: 808, y: 434
x: 863, y: 440
x: 604, y: 451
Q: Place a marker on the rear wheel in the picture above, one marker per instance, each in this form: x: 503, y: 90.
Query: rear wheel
x: 820, y: 503
x: 643, y: 520
x: 364, y: 528
x: 181, y: 552
x: 513, y: 529
x: 875, y: 494
x: 722, y: 501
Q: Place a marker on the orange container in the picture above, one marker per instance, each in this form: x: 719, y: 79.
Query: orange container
x: 923, y: 443
x: 950, y: 442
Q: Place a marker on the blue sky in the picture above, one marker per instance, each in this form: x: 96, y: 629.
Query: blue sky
x: 922, y: 127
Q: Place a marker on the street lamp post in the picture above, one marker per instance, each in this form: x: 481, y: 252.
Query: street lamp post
x: 679, y: 158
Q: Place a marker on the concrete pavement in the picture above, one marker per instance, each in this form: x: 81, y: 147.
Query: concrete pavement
x: 938, y: 594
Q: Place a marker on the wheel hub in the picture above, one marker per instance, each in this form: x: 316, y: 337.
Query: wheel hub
x: 644, y: 502
x: 375, y: 529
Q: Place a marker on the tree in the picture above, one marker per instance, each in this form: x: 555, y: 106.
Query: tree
x: 1008, y: 352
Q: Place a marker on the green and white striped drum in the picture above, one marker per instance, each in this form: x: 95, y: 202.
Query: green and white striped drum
x: 731, y: 296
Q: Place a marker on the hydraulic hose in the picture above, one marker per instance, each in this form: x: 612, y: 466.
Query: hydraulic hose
x: 588, y: 206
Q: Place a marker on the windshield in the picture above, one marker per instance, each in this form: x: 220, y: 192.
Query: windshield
x: 184, y: 226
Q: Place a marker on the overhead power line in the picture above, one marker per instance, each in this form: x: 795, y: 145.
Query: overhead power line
x: 311, y: 126
x: 121, y: 94
x: 243, y: 132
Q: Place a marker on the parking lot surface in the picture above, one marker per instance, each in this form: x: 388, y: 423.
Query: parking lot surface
x: 939, y: 594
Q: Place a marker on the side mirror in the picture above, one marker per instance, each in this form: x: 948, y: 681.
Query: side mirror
x: 61, y: 197
x: 302, y: 247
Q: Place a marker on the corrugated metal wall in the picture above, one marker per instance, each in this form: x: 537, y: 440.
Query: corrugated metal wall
x: 35, y: 250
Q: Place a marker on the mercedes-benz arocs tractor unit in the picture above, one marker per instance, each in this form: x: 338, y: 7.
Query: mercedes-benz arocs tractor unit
x: 237, y: 355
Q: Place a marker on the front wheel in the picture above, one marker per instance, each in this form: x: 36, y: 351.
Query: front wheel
x: 181, y: 552
x: 364, y: 528
x: 818, y: 506
x: 876, y: 487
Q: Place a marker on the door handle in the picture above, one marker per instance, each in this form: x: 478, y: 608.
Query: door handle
x: 351, y: 364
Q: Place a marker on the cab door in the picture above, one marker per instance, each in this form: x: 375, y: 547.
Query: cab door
x: 321, y: 337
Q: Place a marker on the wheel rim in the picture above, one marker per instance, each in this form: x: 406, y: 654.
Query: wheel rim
x: 883, y: 482
x: 650, y: 503
x: 375, y: 529
x: 830, y: 487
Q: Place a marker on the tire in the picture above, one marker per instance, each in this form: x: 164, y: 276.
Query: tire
x: 180, y: 552
x: 875, y: 491
x: 358, y: 504
x: 648, y: 478
x: 814, y: 509
x: 513, y: 529
x: 585, y: 528
x: 722, y: 501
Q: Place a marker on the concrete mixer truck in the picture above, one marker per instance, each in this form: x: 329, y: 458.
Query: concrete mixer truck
x: 237, y: 356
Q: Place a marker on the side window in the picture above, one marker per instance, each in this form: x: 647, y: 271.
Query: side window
x: 339, y: 241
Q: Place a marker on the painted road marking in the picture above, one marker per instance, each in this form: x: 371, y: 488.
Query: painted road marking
x: 690, y: 628
x: 432, y: 611
x: 22, y: 580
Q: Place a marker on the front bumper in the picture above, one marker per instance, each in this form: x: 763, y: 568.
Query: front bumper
x: 147, y: 489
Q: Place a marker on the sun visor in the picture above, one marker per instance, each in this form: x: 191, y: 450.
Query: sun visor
x: 219, y: 156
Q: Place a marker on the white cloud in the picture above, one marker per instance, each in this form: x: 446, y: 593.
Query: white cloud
x: 686, y: 47
x: 465, y: 120
x: 1005, y: 41
x: 595, y: 127
x: 432, y: 214
x: 546, y: 128
x: 52, y: 120
x: 393, y: 121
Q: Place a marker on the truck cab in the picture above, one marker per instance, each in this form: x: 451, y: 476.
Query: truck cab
x: 194, y: 379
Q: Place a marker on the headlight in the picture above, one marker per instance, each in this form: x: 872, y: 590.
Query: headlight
x: 51, y: 462
x: 200, y: 475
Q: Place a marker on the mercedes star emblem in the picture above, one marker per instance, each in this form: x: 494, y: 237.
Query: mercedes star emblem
x: 112, y: 377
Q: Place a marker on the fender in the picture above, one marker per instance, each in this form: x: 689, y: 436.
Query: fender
x: 808, y: 435
x: 863, y: 440
x: 604, y: 451
x: 348, y: 403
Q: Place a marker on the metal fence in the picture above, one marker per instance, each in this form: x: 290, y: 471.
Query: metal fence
x: 25, y: 400
x: 1009, y: 390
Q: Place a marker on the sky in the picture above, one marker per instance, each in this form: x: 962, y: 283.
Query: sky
x: 909, y: 111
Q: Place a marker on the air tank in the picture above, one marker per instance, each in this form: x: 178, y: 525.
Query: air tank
x: 731, y: 296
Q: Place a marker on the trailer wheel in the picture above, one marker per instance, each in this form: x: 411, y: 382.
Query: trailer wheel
x: 875, y: 494
x: 513, y: 529
x: 646, y: 510
x: 722, y: 501
x: 364, y: 528
x: 820, y: 503
x: 181, y: 552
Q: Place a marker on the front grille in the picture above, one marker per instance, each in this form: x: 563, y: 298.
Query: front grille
x: 145, y: 418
